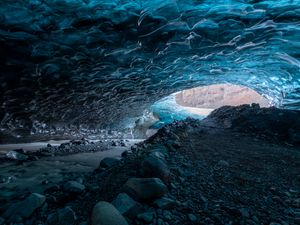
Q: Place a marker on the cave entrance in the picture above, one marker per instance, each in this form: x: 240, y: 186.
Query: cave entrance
x: 203, y: 100
x: 197, y: 103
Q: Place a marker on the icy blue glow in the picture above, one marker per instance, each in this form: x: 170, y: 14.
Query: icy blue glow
x: 168, y: 111
x: 82, y: 66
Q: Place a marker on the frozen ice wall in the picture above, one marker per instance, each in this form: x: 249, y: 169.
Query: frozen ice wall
x: 84, y: 66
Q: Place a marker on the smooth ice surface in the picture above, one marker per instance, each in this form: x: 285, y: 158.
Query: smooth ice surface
x: 70, y: 67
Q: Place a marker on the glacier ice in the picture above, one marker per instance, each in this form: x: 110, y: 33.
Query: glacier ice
x: 73, y: 65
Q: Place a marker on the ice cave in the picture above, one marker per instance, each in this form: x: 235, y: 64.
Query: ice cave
x: 70, y: 67
x: 162, y: 112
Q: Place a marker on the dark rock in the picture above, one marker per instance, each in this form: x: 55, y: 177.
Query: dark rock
x: 7, y: 179
x: 296, y: 203
x: 45, y: 182
x: 84, y: 223
x: 165, y: 203
x: 127, y: 206
x: 222, y: 164
x: 124, y: 154
x: 294, y: 136
x: 73, y: 187
x: 26, y: 207
x: 158, y: 155
x: 155, y: 167
x: 272, y: 123
x: 109, y: 162
x: 16, y: 156
x: 167, y: 215
x: 192, y: 218
x: 147, y: 217
x: 160, y: 222
x: 105, y: 213
x: 245, y: 212
x: 232, y: 211
x: 62, y: 217
x: 155, y: 148
x: 145, y: 189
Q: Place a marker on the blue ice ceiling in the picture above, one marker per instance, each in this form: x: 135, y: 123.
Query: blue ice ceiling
x: 69, y: 66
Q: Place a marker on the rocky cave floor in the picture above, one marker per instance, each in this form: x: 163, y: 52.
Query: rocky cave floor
x: 239, y: 166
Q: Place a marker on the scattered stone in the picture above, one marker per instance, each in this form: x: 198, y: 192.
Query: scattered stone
x: 73, y: 187
x: 192, y: 218
x: 255, y: 219
x: 191, y: 176
x: 62, y: 217
x: 147, y: 217
x: 155, y: 167
x: 167, y: 215
x: 165, y: 203
x: 7, y: 179
x: 105, y: 213
x: 296, y: 203
x: 158, y: 155
x: 84, y: 223
x: 124, y: 154
x: 245, y: 212
x: 127, y: 206
x: 79, y: 142
x: 16, y: 156
x: 25, y: 208
x: 222, y: 164
x: 145, y: 189
x: 294, y: 136
x: 45, y: 182
x: 109, y: 162
x: 157, y: 148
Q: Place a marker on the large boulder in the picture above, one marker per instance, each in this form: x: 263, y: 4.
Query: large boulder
x: 105, y: 213
x: 127, y: 206
x: 155, y: 167
x: 145, y: 189
x: 25, y: 208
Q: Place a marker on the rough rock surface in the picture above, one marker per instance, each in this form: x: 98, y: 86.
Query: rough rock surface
x: 272, y: 123
x: 145, y: 189
x: 62, y: 217
x: 164, y: 203
x: 109, y: 162
x: 153, y: 166
x: 73, y: 187
x: 105, y: 213
x: 127, y: 206
x: 16, y: 156
x: 25, y: 208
